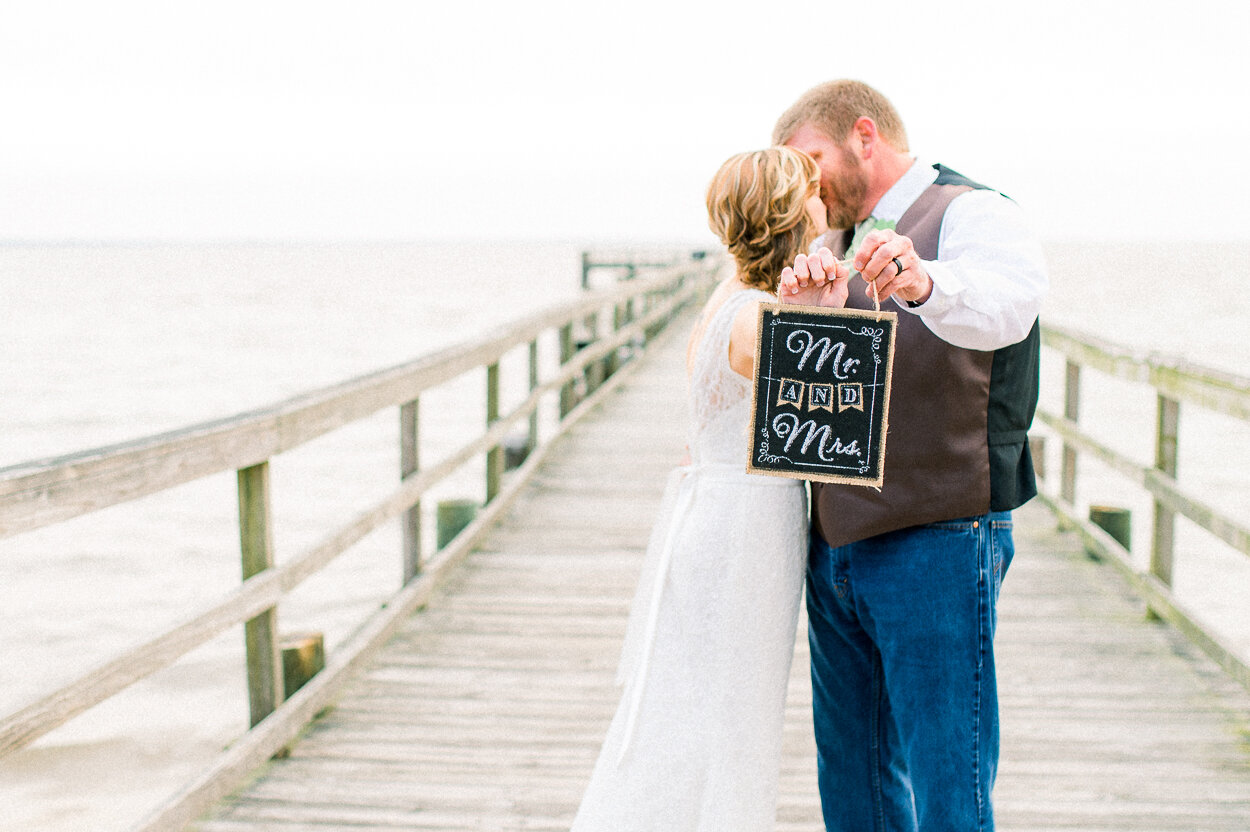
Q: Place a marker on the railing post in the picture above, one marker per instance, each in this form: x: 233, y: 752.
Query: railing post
x: 264, y: 659
x: 596, y: 372
x: 533, y: 436
x: 1166, y: 447
x: 614, y: 358
x: 409, y: 464
x: 566, y: 352
x: 494, y: 457
x: 1071, y: 412
x: 1037, y: 449
x: 585, y: 269
x: 651, y: 301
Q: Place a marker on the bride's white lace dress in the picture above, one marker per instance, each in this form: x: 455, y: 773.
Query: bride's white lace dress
x: 696, y: 741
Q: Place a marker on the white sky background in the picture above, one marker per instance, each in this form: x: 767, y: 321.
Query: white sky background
x: 593, y: 120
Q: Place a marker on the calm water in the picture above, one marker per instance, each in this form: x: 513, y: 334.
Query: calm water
x: 105, y: 343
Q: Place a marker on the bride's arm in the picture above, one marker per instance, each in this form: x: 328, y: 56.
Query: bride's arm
x: 742, y: 339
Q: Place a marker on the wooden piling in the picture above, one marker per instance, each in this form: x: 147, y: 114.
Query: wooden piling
x: 453, y: 516
x: 303, y: 657
x: 1115, y: 521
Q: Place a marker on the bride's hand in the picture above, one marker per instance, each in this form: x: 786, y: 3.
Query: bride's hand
x: 818, y: 279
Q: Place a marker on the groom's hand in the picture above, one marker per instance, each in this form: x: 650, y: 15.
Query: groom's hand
x: 890, y: 264
x: 814, y: 280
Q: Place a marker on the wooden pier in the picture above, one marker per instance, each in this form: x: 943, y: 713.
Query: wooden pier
x: 486, y: 710
x: 476, y: 697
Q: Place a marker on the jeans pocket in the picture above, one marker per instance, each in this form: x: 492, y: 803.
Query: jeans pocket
x: 1002, y: 550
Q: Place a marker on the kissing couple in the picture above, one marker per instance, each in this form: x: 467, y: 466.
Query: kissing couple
x: 901, y: 583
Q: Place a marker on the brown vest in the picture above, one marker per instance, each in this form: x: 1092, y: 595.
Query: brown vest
x: 957, y: 443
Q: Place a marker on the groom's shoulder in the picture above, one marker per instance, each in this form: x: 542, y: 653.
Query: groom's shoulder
x: 947, y: 176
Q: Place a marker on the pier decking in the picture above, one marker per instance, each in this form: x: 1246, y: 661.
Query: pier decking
x: 486, y: 710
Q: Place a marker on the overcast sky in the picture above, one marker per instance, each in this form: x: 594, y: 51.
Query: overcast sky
x: 595, y: 120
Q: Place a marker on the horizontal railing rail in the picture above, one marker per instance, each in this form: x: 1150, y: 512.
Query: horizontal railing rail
x: 1174, y: 382
x: 628, y: 263
x: 40, y: 492
x: 43, y: 492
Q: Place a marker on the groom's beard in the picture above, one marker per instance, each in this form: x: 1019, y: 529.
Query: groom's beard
x: 844, y: 191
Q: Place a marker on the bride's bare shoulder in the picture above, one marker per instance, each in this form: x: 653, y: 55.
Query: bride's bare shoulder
x: 727, y: 287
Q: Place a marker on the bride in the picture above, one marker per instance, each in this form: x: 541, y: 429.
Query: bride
x: 696, y: 741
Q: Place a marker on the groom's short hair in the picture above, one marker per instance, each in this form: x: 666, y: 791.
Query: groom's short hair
x: 834, y: 106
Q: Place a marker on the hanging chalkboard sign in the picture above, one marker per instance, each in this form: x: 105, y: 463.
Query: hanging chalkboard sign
x: 822, y: 393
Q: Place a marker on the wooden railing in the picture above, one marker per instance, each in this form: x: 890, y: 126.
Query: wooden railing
x: 1174, y: 382
x: 626, y: 264
x: 596, y: 336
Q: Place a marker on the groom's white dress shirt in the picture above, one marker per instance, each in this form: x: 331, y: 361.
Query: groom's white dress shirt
x: 990, y: 275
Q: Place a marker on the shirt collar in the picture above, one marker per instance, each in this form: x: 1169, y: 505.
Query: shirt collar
x: 905, y: 191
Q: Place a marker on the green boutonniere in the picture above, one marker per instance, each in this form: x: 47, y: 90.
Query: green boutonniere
x: 867, y: 226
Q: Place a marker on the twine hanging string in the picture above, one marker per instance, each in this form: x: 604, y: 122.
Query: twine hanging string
x: 876, y: 300
x: 865, y: 228
x: 876, y: 307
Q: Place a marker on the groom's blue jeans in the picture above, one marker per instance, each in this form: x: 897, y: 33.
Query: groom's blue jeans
x: 905, y: 703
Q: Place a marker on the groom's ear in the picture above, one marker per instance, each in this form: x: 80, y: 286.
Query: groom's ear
x: 864, y: 137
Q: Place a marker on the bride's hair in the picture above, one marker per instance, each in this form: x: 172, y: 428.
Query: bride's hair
x: 757, y: 205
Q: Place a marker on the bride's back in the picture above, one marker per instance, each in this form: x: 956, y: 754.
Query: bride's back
x: 719, y: 397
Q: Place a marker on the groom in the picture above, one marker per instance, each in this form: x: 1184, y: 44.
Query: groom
x: 902, y: 583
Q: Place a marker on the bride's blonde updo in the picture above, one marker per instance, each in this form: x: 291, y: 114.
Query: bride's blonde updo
x: 757, y: 205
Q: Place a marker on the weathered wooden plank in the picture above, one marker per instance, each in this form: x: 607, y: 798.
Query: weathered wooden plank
x: 38, y: 718
x: 257, y: 596
x: 1161, y: 486
x: 1213, y: 389
x: 284, y: 724
x: 1109, y: 722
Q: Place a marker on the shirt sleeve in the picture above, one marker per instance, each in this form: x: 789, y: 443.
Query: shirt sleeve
x: 990, y: 276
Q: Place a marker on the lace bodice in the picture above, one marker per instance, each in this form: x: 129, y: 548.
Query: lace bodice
x: 720, y: 399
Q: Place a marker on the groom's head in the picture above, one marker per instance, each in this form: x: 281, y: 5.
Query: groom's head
x: 858, y: 140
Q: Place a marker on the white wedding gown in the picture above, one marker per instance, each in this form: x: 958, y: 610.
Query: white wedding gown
x: 696, y: 741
